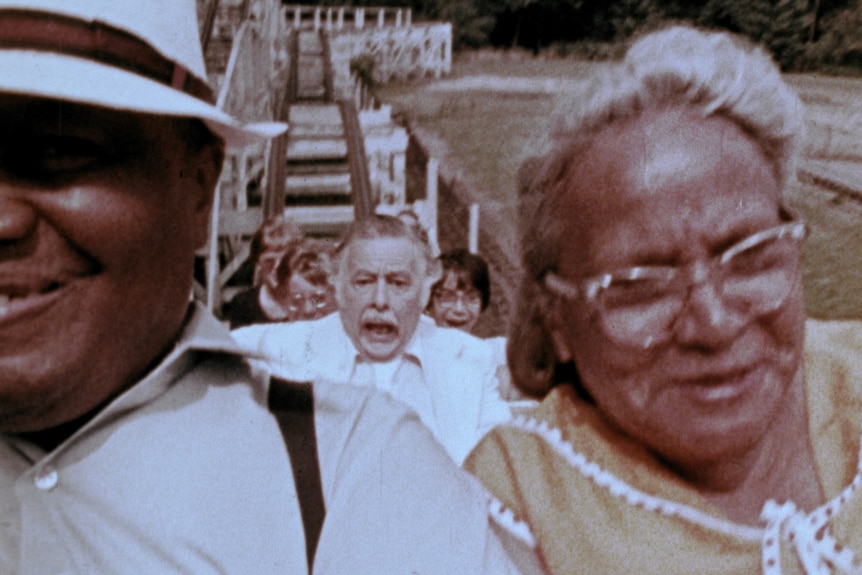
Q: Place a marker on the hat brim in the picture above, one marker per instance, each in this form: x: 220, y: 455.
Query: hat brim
x: 68, y: 78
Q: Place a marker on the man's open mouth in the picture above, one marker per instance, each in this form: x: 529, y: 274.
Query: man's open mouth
x: 380, y: 330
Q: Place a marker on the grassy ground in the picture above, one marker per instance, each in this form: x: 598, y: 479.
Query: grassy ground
x: 481, y: 130
x: 833, y: 253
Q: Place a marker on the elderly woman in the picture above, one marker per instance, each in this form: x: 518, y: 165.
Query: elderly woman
x: 691, y: 421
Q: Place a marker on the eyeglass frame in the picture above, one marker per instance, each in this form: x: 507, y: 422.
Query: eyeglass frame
x: 588, y: 290
x: 464, y: 296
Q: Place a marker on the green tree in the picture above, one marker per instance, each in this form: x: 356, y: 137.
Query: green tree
x: 629, y: 16
x: 472, y: 20
x: 840, y: 39
x: 779, y: 25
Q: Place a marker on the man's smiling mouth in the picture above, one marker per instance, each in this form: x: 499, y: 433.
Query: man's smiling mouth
x: 21, y: 293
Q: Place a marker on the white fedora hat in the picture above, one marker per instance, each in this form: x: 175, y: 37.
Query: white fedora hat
x: 137, y: 55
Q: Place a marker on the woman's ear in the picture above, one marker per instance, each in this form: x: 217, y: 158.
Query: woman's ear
x: 554, y: 315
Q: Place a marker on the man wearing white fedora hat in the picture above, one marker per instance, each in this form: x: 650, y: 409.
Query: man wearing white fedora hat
x: 134, y: 435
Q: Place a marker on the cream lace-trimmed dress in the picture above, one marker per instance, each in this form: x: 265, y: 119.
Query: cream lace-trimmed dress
x: 589, y: 501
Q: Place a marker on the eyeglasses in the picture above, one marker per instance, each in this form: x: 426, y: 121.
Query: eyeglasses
x: 639, y: 306
x: 320, y: 298
x: 449, y: 298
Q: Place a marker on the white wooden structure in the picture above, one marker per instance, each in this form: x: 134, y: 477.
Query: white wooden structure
x: 401, y: 47
x: 250, y: 69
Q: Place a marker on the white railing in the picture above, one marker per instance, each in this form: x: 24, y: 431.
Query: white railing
x: 339, y: 19
x: 400, y: 53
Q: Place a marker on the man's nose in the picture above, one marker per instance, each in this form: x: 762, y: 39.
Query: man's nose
x: 18, y: 218
x: 381, y: 294
x: 459, y: 304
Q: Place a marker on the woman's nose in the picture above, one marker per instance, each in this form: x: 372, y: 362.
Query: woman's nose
x: 706, y: 320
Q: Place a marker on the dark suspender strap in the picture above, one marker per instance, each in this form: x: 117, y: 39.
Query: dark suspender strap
x: 292, y: 403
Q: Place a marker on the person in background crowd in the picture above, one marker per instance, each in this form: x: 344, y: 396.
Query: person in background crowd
x: 268, y: 299
x: 463, y: 292
x: 383, y: 277
x: 459, y: 298
x: 305, y: 271
x: 692, y: 420
x: 134, y: 435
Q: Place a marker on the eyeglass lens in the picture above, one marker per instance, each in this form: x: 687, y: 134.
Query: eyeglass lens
x: 751, y: 282
x: 449, y: 297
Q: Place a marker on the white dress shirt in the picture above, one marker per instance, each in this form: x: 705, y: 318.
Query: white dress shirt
x: 187, y: 472
x: 447, y: 376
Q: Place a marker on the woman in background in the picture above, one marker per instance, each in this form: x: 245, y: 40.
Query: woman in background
x: 458, y: 299
x: 462, y: 293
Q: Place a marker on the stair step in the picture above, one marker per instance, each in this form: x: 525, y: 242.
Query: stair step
x: 317, y: 201
x: 312, y: 96
x: 310, y: 42
x: 317, y: 148
x: 318, y: 115
x: 317, y: 167
x: 311, y: 81
x: 321, y: 220
x: 318, y: 184
x: 310, y: 131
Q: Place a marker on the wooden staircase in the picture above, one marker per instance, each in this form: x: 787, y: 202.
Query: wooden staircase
x: 325, y: 177
x: 318, y: 191
x: 317, y: 174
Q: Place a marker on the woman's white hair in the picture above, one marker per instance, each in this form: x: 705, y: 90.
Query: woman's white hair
x: 708, y: 73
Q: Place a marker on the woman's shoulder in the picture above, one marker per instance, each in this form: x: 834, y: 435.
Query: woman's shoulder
x: 833, y: 354
x: 837, y: 336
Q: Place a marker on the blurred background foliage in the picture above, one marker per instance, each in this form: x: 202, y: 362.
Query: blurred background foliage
x: 804, y: 35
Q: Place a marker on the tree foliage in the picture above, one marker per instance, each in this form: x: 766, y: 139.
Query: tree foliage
x: 839, y: 41
x: 800, y: 33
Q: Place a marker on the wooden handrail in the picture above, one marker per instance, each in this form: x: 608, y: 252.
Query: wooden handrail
x: 328, y: 78
x: 276, y: 168
x: 360, y: 181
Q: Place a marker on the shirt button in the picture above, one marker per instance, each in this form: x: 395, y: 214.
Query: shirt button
x: 47, y: 478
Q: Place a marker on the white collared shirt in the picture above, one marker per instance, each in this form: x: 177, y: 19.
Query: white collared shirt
x: 453, y: 388
x: 186, y: 472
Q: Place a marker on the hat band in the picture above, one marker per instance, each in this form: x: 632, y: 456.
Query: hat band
x: 97, y: 41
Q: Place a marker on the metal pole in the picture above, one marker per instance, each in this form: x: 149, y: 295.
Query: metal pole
x: 431, y: 175
x: 473, y: 244
x: 212, y: 255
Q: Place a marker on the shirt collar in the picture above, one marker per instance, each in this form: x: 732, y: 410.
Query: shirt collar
x: 201, y: 332
x: 414, y: 348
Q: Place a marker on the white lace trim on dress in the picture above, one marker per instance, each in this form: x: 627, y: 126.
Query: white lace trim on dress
x: 504, y: 517
x: 817, y: 550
